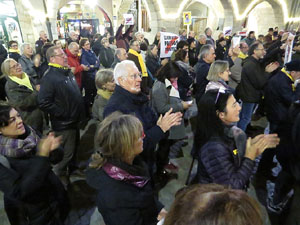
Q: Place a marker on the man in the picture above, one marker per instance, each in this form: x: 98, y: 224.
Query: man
x: 123, y: 39
x: 60, y: 97
x: 269, y: 38
x: 120, y: 55
x: 250, y: 39
x: 261, y: 38
x: 253, y: 80
x: 74, y: 62
x: 236, y: 69
x: 128, y: 98
x: 207, y: 57
x: 73, y: 37
x: 106, y: 54
x: 135, y: 56
x: 200, y: 43
x: 209, y: 39
x: 40, y: 43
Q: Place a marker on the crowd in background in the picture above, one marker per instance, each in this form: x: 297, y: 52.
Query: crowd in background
x: 142, y: 105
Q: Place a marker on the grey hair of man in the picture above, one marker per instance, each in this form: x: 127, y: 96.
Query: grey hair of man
x: 23, y: 47
x: 41, y: 32
x: 205, y: 50
x: 201, y: 36
x: 72, y: 45
x: 122, y: 69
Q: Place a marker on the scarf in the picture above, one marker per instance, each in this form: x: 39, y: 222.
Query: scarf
x: 242, y: 55
x: 289, y: 76
x: 185, y: 66
x: 104, y: 93
x: 24, y: 81
x: 174, y: 91
x: 21, y: 146
x: 239, y: 137
x: 135, y: 174
x: 141, y: 62
x: 58, y: 66
x: 14, y: 50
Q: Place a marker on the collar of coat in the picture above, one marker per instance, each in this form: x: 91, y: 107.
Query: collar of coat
x: 289, y: 76
x: 58, y: 66
x: 24, y: 81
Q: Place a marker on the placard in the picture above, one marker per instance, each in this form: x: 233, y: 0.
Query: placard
x: 128, y: 19
x: 168, y: 43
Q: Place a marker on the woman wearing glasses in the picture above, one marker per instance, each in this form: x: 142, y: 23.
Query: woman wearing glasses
x: 22, y: 93
x: 119, y: 175
x: 225, y: 156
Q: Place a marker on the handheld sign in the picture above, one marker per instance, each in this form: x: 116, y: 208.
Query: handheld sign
x: 187, y: 18
x: 168, y: 43
x: 236, y: 41
x: 128, y: 19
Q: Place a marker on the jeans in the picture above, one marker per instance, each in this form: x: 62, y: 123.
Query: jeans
x: 245, y: 115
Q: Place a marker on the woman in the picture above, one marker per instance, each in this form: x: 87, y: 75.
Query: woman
x: 22, y: 94
x: 193, y: 57
x: 13, y: 50
x: 58, y: 43
x: 165, y: 96
x: 213, y: 204
x: 218, y: 75
x: 33, y: 195
x: 185, y: 80
x: 28, y: 65
x: 224, y: 155
x: 106, y: 54
x: 153, y: 62
x: 106, y: 85
x: 89, y: 59
x: 125, y: 194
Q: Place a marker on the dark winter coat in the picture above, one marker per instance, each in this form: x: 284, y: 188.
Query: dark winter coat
x: 106, y: 57
x: 88, y: 58
x: 28, y: 67
x: 138, y: 105
x: 219, y: 163
x: 121, y: 202
x: 152, y: 63
x: 14, y: 55
x: 201, y: 70
x: 60, y: 97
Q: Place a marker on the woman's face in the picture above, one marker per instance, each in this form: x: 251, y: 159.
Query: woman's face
x: 232, y: 114
x: 225, y: 75
x: 110, y: 86
x: 15, y: 69
x: 138, y: 147
x: 15, y: 125
x: 58, y: 44
x: 28, y: 51
x: 154, y: 50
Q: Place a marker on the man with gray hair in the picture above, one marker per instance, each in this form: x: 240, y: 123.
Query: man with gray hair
x: 73, y: 37
x: 206, y: 58
x: 128, y: 99
x: 201, y: 41
x: 120, y: 55
x: 40, y: 43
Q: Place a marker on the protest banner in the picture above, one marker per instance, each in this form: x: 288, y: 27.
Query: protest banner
x: 187, y: 18
x: 168, y: 42
x: 128, y: 19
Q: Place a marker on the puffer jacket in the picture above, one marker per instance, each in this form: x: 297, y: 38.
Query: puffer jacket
x: 61, y: 98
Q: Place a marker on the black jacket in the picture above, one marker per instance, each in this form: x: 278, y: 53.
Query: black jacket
x: 152, y: 64
x: 137, y: 105
x: 201, y: 70
x: 253, y: 80
x: 121, y: 202
x: 61, y: 98
x: 14, y: 55
x: 193, y: 57
x: 220, y: 52
x: 106, y: 57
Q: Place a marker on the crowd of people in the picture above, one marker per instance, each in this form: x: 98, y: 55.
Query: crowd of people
x: 142, y: 105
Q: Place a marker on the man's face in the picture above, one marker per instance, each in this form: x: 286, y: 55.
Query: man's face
x: 295, y: 75
x: 59, y: 58
x: 123, y: 55
x: 192, y: 34
x: 202, y: 40
x: 44, y: 36
x: 244, y: 48
x: 210, y: 57
x: 135, y: 46
x: 209, y: 32
x: 74, y: 36
x: 132, y: 82
x: 75, y: 50
x: 252, y: 35
x: 260, y: 51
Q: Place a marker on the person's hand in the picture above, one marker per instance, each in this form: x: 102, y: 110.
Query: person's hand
x: 162, y: 214
x: 164, y: 61
x: 271, y: 67
x: 37, y: 60
x: 259, y: 144
x: 85, y: 68
x: 186, y: 105
x: 73, y: 70
x: 169, y: 120
x: 236, y: 51
x: 37, y: 87
x: 48, y: 144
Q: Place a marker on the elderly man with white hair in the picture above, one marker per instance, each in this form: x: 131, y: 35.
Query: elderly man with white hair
x: 40, y: 43
x: 128, y: 99
x: 73, y: 37
x: 27, y: 63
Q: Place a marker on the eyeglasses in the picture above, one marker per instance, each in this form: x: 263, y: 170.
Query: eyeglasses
x: 15, y: 66
x: 136, y: 76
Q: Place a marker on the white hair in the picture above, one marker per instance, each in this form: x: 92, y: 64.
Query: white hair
x: 22, y: 47
x: 41, y: 32
x: 72, y: 45
x: 122, y: 69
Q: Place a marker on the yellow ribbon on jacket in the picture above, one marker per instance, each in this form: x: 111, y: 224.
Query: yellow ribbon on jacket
x: 235, y: 151
x: 242, y: 55
x: 141, y: 62
x: 289, y: 76
x: 104, y: 93
x: 25, y: 81
x: 14, y: 50
x: 58, y: 66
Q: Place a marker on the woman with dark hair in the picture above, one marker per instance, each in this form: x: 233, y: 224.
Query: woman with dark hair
x: 213, y: 204
x: 32, y: 193
x: 153, y: 61
x: 120, y: 176
x: 224, y: 154
x: 89, y: 59
x: 186, y: 79
x: 13, y: 50
x: 165, y: 97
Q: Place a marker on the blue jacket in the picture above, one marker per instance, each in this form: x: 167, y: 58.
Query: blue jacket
x: 137, y: 105
x: 201, y: 69
x: 89, y: 58
x: 218, y: 163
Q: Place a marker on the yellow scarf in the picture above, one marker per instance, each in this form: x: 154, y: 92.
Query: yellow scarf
x: 58, y: 66
x: 242, y: 55
x: 23, y: 81
x: 289, y: 76
x: 104, y: 93
x: 14, y: 50
x: 141, y: 62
